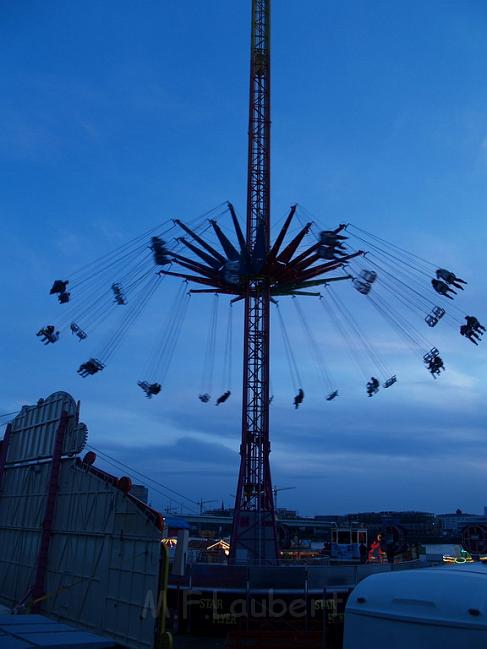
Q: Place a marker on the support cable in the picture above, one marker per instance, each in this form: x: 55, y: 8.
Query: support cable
x: 315, y: 349
x: 453, y: 321
x: 428, y: 302
x: 397, y: 325
x: 421, y: 340
x: 227, y: 358
x: 102, y: 313
x: 369, y: 348
x: 291, y: 360
x: 122, y: 261
x: 131, y: 316
x: 8, y: 414
x: 136, y: 240
x: 135, y: 254
x: 387, y: 284
x: 350, y: 342
x: 109, y: 459
x: 173, y: 342
x: 164, y: 352
x: 209, y: 359
x: 393, y: 245
x: 87, y: 304
x: 160, y: 230
x: 392, y: 259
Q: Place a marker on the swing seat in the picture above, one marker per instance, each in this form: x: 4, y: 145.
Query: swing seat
x: 63, y: 297
x: 430, y: 320
x: 204, y: 398
x: 430, y: 355
x: 150, y: 389
x: 153, y: 389
x: 326, y: 252
x: 389, y: 382
x: 118, y: 293
x: 372, y: 387
x: 92, y: 366
x: 48, y: 335
x: 159, y: 251
x: 59, y: 286
x: 368, y: 276
x: 77, y: 331
x: 223, y: 398
x: 361, y: 286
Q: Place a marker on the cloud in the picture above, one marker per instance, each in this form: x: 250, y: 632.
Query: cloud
x: 188, y: 452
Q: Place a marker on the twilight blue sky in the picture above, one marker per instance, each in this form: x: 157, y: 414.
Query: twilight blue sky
x: 119, y: 115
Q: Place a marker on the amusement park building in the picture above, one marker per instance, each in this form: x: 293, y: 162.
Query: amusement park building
x: 76, y: 544
x: 420, y: 527
x: 216, y: 525
x: 454, y: 523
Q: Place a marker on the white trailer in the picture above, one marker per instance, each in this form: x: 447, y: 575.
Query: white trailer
x: 444, y: 607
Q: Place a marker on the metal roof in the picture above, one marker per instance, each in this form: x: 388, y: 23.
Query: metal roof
x: 175, y: 523
x: 28, y: 631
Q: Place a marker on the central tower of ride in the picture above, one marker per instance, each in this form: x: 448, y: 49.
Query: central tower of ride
x: 254, y: 539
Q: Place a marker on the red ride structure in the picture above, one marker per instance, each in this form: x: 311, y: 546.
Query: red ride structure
x: 255, y: 273
x: 254, y: 534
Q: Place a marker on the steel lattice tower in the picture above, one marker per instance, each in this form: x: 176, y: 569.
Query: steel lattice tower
x: 254, y: 537
x: 255, y: 271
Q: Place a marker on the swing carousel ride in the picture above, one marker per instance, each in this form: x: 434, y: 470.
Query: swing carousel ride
x: 304, y: 261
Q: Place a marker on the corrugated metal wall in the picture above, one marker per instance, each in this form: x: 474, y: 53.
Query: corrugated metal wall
x: 22, y: 505
x: 105, y: 549
x: 34, y: 429
x: 105, y: 556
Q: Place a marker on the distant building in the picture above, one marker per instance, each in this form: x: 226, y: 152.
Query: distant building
x: 227, y: 511
x: 454, y: 523
x: 330, y: 518
x: 420, y: 527
x: 218, y: 524
x: 286, y: 514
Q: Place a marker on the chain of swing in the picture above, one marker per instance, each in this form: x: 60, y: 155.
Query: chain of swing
x: 394, y: 271
x: 161, y: 357
x: 114, y: 279
x: 389, y: 277
x: 205, y: 394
